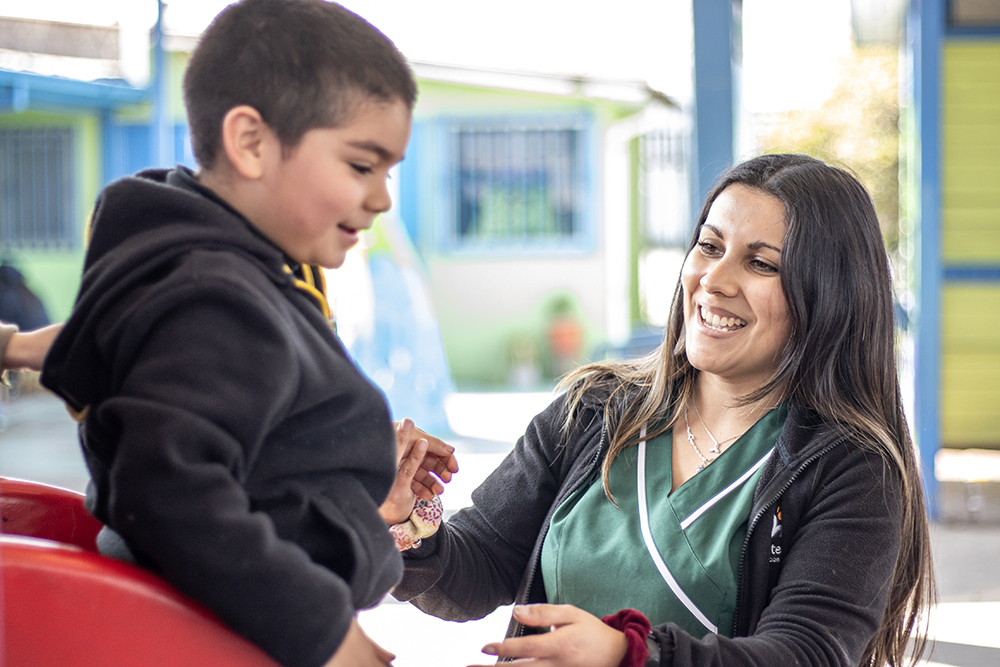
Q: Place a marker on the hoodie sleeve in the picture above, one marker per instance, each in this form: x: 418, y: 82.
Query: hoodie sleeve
x: 477, y: 561
x: 205, y: 372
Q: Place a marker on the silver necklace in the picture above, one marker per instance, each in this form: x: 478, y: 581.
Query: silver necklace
x: 690, y: 437
x: 716, y: 446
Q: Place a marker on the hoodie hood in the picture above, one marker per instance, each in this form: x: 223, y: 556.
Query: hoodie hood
x: 141, y: 226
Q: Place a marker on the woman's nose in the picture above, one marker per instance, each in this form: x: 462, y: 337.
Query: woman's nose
x: 720, y: 278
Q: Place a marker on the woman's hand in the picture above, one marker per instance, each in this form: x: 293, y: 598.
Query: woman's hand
x: 576, y: 638
x: 27, y: 349
x: 358, y: 650
x: 425, y: 464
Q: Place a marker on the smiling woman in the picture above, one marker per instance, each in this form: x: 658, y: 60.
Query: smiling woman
x: 745, y: 495
x: 736, y: 316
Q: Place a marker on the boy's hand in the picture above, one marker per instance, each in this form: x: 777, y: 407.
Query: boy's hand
x: 576, y: 638
x: 358, y: 650
x: 425, y: 464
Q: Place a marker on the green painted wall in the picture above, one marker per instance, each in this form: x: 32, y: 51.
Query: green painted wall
x: 55, y: 275
x: 971, y: 235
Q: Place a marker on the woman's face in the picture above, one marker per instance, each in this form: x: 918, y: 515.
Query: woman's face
x: 735, y: 313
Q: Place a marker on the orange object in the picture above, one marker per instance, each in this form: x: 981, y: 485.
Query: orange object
x: 565, y: 338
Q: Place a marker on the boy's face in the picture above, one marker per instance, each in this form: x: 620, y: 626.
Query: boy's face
x: 332, y: 184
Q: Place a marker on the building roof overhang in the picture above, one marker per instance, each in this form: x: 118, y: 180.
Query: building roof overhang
x: 20, y: 91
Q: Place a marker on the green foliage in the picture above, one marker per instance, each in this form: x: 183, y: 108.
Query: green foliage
x: 856, y: 128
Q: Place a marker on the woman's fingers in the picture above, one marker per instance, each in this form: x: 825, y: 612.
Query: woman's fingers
x: 531, y: 646
x: 553, y: 615
x: 440, y: 450
x: 577, y: 638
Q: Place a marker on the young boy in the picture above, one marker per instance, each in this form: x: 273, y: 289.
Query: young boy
x: 234, y: 447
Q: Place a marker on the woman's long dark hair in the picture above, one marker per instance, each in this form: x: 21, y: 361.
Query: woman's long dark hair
x: 839, y: 362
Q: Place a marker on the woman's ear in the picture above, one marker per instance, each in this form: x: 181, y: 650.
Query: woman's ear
x: 247, y: 140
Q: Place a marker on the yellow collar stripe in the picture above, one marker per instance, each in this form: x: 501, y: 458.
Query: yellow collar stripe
x: 309, y: 287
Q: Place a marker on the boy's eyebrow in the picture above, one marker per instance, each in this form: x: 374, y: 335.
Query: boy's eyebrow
x: 756, y: 245
x: 377, y: 148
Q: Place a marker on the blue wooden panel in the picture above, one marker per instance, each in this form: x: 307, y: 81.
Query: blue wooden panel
x: 927, y: 23
x: 714, y: 144
x: 129, y: 149
x: 972, y: 274
x: 409, y: 183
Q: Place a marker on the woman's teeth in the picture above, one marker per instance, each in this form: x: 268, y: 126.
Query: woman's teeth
x: 713, y: 321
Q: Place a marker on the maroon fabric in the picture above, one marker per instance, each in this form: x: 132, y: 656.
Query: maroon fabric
x: 636, y: 627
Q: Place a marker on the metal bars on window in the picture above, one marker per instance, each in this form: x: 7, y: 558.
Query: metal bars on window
x: 663, y: 187
x: 516, y: 184
x: 36, y: 188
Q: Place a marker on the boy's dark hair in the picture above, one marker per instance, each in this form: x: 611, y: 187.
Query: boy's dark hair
x: 302, y: 64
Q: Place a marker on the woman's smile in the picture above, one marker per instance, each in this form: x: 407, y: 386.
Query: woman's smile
x: 716, y: 322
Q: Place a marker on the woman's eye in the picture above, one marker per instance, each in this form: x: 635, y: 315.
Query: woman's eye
x: 763, y: 266
x: 362, y: 168
x: 709, y: 248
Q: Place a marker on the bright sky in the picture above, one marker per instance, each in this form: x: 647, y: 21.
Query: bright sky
x: 790, y: 46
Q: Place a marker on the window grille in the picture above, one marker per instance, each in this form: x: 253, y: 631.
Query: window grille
x: 517, y: 185
x: 663, y: 185
x: 36, y: 186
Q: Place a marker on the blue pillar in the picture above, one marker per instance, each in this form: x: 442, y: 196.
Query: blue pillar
x: 161, y: 132
x: 926, y: 23
x: 715, y: 34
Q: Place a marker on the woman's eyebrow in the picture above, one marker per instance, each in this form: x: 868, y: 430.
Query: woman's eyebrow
x: 755, y: 245
x: 715, y: 230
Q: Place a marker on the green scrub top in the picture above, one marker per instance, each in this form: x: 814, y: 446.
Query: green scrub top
x: 673, y: 556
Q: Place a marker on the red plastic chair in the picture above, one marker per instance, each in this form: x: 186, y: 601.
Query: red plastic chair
x: 40, y: 510
x: 65, y: 604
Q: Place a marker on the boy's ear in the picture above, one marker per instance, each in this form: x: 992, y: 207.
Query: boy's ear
x: 246, y: 140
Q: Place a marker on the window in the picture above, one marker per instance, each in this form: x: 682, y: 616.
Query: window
x: 983, y: 14
x: 518, y: 184
x: 36, y: 188
x: 663, y: 186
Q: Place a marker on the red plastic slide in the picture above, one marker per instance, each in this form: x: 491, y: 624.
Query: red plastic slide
x: 65, y: 604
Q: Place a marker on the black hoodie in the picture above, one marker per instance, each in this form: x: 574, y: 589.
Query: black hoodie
x: 231, y: 441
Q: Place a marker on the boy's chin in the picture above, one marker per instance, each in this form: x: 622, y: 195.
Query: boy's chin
x: 330, y: 260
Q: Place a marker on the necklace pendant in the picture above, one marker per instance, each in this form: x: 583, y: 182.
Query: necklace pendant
x: 714, y: 449
x: 699, y: 467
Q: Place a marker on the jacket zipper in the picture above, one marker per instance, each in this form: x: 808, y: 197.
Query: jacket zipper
x: 531, y: 577
x: 753, y: 523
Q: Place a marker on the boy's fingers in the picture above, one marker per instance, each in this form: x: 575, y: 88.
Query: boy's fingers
x: 410, y: 465
x: 425, y: 479
x: 404, y: 438
x: 404, y: 429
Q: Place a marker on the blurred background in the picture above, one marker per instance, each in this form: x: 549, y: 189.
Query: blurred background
x: 559, y: 157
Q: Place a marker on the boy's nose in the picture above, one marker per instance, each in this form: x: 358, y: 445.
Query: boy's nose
x: 379, y: 199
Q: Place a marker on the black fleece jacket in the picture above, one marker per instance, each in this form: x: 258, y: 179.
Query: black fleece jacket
x: 814, y: 578
x: 231, y: 441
